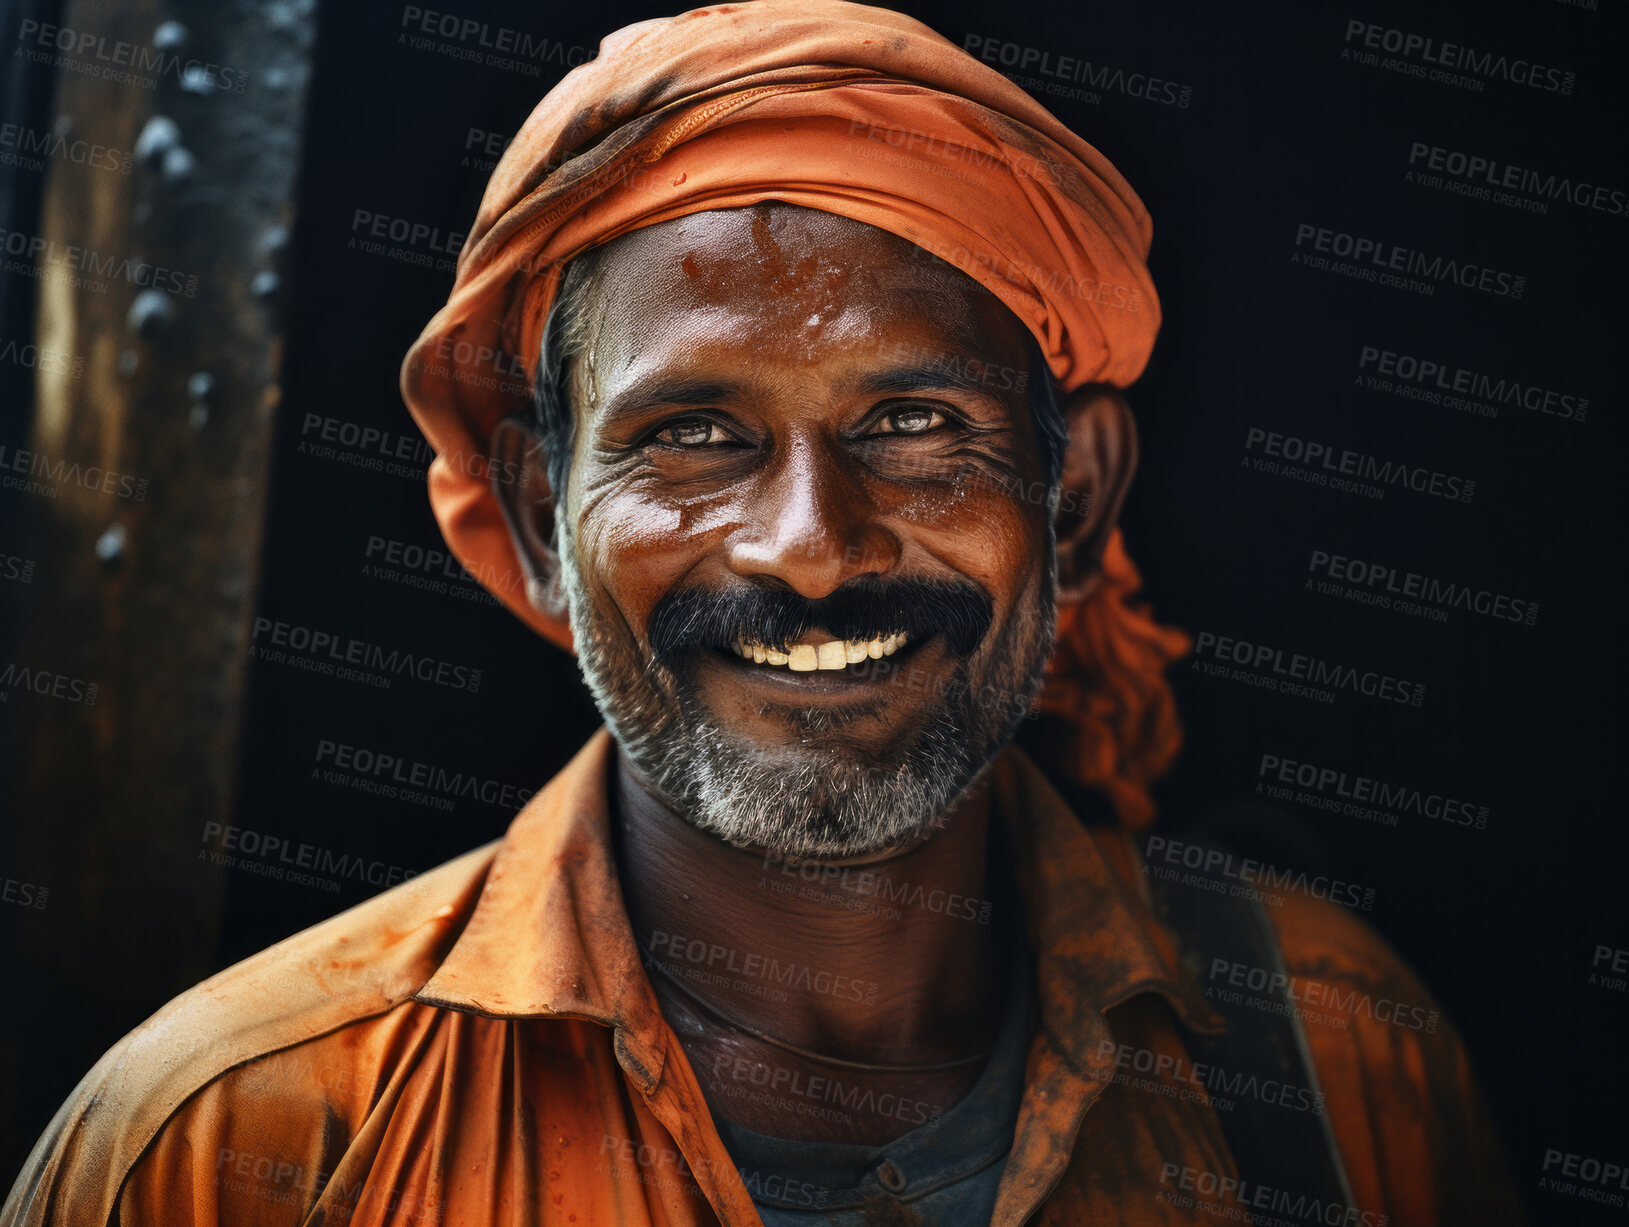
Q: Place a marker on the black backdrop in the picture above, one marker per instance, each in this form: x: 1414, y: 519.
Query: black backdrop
x: 1274, y: 128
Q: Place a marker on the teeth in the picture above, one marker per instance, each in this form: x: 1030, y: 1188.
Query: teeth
x: 810, y: 657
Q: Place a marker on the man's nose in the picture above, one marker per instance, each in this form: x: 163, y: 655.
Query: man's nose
x: 812, y: 524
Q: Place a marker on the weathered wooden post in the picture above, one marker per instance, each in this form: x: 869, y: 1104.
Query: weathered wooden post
x: 142, y: 493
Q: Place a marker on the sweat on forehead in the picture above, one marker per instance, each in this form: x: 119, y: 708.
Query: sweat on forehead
x: 802, y: 278
x: 787, y: 248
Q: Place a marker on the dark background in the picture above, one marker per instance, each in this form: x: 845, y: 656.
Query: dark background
x: 1278, y: 131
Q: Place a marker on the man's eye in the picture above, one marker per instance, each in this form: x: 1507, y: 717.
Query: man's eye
x: 691, y: 432
x: 913, y: 420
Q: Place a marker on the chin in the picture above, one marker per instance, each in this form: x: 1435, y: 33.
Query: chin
x: 817, y: 801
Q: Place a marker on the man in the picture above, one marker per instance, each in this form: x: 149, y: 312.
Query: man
x: 818, y: 473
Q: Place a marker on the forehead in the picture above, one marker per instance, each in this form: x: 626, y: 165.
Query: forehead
x: 782, y: 285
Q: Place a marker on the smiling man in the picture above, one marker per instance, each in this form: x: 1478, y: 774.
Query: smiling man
x: 817, y: 468
x: 796, y: 566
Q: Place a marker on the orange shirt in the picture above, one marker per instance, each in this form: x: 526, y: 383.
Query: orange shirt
x: 480, y: 1045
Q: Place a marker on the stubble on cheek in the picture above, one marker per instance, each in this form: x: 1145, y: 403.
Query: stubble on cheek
x: 630, y: 690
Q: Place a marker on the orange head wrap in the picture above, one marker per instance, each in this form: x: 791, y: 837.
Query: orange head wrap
x: 852, y: 110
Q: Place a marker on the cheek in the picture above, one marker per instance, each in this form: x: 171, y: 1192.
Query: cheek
x: 983, y: 532
x: 633, y: 549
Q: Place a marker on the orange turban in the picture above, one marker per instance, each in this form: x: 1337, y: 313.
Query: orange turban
x: 835, y: 106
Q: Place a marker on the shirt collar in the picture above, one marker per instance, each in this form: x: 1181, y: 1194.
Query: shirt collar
x: 550, y: 936
x: 1096, y: 939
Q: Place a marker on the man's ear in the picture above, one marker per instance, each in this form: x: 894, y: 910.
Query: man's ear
x: 520, y: 482
x: 1097, y: 471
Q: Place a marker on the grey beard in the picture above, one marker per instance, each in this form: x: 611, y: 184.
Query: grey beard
x: 805, y: 802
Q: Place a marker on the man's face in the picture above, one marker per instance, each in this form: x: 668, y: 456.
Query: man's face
x: 802, y: 442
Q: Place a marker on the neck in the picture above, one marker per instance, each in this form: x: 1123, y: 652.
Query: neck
x: 886, y: 959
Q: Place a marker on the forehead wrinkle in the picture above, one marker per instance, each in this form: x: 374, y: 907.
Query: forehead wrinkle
x: 653, y: 258
x: 678, y: 353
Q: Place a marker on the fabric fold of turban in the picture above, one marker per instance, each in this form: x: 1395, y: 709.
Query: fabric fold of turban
x: 841, y: 107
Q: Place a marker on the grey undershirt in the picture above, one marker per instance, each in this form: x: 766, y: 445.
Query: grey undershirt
x: 941, y: 1174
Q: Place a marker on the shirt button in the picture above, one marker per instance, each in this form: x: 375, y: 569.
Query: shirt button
x: 892, y: 1177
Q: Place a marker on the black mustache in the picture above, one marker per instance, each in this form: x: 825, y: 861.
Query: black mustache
x: 861, y: 609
